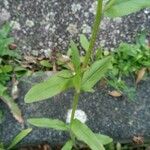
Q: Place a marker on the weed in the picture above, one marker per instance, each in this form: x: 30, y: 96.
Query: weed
x: 81, y: 76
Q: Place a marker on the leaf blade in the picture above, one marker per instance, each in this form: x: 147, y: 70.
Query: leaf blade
x: 104, y: 139
x: 95, y: 73
x: 49, y: 88
x: 84, y: 42
x: 75, y: 56
x: 19, y: 137
x: 48, y: 123
x: 125, y: 7
x: 68, y: 145
x: 83, y: 133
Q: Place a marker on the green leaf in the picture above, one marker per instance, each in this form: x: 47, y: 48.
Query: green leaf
x: 19, y: 137
x: 83, y: 133
x: 125, y: 7
x: 84, y: 42
x: 48, y: 123
x: 15, y: 110
x: 2, y: 89
x: 49, y: 88
x: 5, y: 30
x: 68, y: 145
x: 7, y: 68
x: 104, y: 139
x: 75, y: 56
x: 95, y: 73
x: 45, y: 63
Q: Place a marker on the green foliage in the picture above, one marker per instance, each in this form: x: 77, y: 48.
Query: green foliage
x: 8, y: 66
x: 95, y: 73
x: 18, y: 138
x: 45, y: 63
x: 49, y: 88
x: 104, y: 139
x: 48, y: 123
x: 82, y: 75
x: 129, y: 58
x: 84, y: 42
x: 83, y: 133
x: 68, y: 145
x: 75, y: 56
x: 118, y: 8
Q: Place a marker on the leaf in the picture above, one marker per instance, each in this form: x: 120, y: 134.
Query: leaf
x: 48, y: 123
x: 5, y: 30
x: 83, y: 133
x: 49, y: 88
x: 140, y: 75
x: 7, y: 68
x: 95, y: 73
x: 15, y: 110
x: 68, y: 145
x: 115, y: 93
x: 19, y: 137
x: 84, y: 42
x: 45, y: 63
x: 2, y: 89
x: 125, y: 7
x: 104, y: 139
x: 75, y: 56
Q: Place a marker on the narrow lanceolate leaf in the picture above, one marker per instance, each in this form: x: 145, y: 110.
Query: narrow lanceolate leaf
x: 83, y: 133
x: 49, y: 88
x: 84, y: 42
x: 19, y: 137
x: 48, y: 123
x: 68, y: 145
x: 75, y: 56
x: 15, y: 110
x: 95, y: 73
x: 125, y: 7
x: 104, y: 139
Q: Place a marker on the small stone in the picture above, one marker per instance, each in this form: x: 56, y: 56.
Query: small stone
x: 47, y: 53
x: 72, y: 29
x: 79, y: 114
x: 93, y: 8
x: 75, y: 7
x: 15, y: 25
x: 35, y: 53
x: 4, y: 15
x: 29, y: 23
x: 86, y: 28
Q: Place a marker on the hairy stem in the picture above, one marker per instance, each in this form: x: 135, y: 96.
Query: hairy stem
x: 95, y: 30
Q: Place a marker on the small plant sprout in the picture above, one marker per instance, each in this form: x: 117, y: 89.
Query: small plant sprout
x: 82, y: 77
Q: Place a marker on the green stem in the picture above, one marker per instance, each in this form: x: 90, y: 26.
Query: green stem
x: 95, y: 30
x: 74, y: 107
x: 75, y: 104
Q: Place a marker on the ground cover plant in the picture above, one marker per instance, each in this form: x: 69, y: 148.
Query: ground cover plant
x: 10, y: 70
x: 81, y: 77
